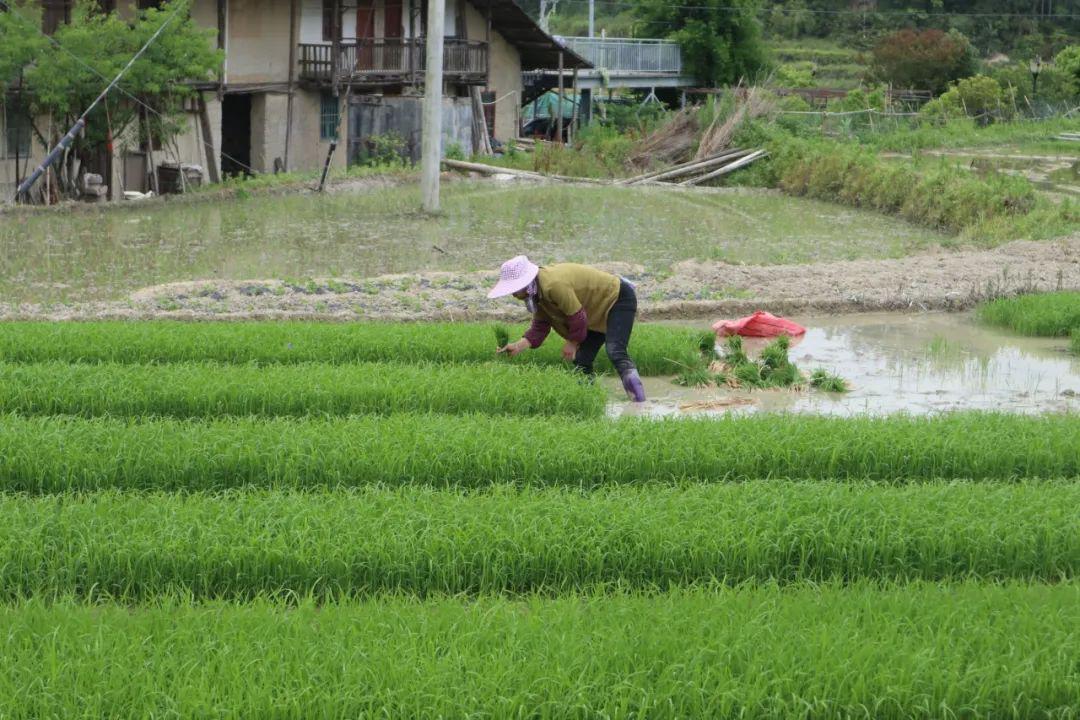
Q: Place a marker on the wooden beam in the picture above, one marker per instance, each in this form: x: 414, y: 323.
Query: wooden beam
x: 208, y: 143
x: 726, y: 169
x: 558, y: 124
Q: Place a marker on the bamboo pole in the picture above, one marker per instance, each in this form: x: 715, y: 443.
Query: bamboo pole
x: 725, y: 169
x: 689, y: 168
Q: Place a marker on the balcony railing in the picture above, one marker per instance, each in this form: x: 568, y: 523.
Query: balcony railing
x: 382, y: 61
x: 628, y: 54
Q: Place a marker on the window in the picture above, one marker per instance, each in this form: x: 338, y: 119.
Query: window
x: 329, y: 117
x: 16, y: 130
x: 328, y: 20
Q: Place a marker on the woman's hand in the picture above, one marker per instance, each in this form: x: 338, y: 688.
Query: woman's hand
x: 515, y: 348
x: 569, y: 350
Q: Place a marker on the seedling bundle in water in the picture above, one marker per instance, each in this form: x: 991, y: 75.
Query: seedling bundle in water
x: 772, y: 369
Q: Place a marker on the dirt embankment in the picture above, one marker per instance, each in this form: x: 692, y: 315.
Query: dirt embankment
x: 943, y: 280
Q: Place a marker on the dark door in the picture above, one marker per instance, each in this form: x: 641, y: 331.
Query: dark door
x: 236, y: 135
x: 368, y: 57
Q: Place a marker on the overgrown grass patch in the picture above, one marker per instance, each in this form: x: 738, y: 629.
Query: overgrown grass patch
x: 59, y: 454
x: 1047, y: 314
x: 213, y: 389
x: 913, y: 651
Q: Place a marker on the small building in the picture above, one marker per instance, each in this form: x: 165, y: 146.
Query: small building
x: 301, y: 73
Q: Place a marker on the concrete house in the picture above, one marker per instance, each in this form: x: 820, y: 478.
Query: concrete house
x: 300, y: 73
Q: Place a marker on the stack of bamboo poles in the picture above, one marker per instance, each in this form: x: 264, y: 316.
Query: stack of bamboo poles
x: 695, y: 172
x: 1069, y: 136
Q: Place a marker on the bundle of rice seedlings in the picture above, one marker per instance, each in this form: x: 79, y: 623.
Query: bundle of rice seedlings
x: 825, y: 381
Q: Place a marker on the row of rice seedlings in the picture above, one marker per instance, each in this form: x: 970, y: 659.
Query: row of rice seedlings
x: 422, y: 541
x: 1048, y: 314
x: 828, y: 652
x: 55, y: 454
x: 656, y: 349
x: 772, y: 369
x: 212, y: 389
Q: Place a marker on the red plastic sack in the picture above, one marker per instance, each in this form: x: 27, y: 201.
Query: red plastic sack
x: 760, y: 324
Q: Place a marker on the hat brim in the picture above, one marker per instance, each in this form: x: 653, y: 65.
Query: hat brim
x: 509, y: 287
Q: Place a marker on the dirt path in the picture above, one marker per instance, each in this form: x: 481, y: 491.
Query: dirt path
x: 943, y: 280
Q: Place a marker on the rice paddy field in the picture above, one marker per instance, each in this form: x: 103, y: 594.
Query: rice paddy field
x: 298, y: 520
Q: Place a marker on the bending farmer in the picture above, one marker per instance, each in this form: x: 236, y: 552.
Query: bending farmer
x: 586, y: 306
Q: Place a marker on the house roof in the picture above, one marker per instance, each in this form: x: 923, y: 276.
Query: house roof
x: 539, y: 51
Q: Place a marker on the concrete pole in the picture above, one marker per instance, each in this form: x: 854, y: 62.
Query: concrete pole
x: 592, y: 18
x: 431, y: 142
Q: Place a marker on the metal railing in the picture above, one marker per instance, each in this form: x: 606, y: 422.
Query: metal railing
x: 628, y: 54
x: 392, y: 60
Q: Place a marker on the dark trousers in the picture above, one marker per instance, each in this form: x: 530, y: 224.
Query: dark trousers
x: 620, y: 323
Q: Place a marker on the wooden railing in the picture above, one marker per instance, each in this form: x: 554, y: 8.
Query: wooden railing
x: 392, y: 60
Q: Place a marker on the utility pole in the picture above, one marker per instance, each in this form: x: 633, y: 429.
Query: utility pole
x: 592, y: 18
x: 431, y: 142
x: 543, y: 15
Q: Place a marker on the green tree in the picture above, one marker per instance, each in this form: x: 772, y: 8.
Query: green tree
x: 1068, y: 62
x: 94, y: 47
x: 20, y: 42
x: 721, y: 39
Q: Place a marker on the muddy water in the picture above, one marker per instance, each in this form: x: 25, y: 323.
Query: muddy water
x: 918, y: 364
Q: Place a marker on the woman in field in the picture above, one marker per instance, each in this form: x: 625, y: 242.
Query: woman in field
x: 586, y: 306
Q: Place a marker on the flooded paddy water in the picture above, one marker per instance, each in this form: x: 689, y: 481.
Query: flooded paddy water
x: 917, y: 364
x: 92, y: 254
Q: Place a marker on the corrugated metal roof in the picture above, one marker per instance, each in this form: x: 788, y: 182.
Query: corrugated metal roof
x: 539, y: 51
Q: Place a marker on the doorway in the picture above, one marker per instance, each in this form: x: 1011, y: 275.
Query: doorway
x: 236, y: 135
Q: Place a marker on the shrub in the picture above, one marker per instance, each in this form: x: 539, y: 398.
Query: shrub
x: 1068, y: 63
x: 926, y: 60
x: 977, y: 96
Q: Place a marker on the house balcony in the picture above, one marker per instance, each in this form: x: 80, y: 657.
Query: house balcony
x: 392, y: 61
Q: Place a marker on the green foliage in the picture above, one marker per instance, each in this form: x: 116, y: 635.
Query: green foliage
x: 1048, y: 314
x: 927, y: 60
x: 772, y: 369
x: 502, y: 336
x: 656, y: 349
x: 721, y: 39
x: 454, y: 151
x: 971, y: 97
x: 1055, y: 86
x: 758, y: 651
x: 1068, y: 63
x: 210, y: 389
x: 792, y: 75
x: 388, y: 150
x: 22, y: 43
x: 133, y: 547
x: 62, y: 86
x: 932, y: 192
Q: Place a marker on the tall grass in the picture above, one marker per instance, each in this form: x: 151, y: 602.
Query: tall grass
x: 422, y: 541
x: 656, y: 349
x: 1050, y: 314
x: 931, y: 192
x: 59, y: 454
x: 915, y: 651
x: 211, y: 389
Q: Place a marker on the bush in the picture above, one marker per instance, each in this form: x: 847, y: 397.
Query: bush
x: 1055, y: 86
x: 978, y: 96
x: 927, y: 60
x: 1068, y: 63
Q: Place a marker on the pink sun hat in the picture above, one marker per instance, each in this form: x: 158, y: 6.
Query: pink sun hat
x: 515, y: 274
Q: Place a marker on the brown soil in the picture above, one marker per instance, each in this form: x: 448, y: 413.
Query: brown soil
x: 942, y: 280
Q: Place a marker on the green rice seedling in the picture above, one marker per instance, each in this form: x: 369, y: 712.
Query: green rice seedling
x: 707, y: 345
x: 656, y: 349
x: 213, y: 389
x: 734, y: 355
x: 747, y: 374
x: 1048, y: 314
x: 825, y: 381
x: 57, y: 454
x: 502, y: 336
x: 695, y: 376
x: 135, y: 547
x: 825, y: 651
